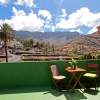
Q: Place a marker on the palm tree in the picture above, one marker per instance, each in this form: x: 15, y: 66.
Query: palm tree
x: 6, y: 34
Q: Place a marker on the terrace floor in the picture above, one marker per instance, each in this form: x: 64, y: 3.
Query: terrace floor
x: 48, y: 94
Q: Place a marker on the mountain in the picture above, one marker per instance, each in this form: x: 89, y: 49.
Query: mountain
x: 53, y: 37
x: 84, y: 44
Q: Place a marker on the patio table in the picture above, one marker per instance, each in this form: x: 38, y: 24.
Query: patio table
x: 75, y: 77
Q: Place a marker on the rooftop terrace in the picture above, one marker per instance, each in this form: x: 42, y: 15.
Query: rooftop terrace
x: 32, y: 80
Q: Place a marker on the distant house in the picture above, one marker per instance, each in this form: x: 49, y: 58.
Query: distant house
x: 1, y: 47
x: 15, y: 44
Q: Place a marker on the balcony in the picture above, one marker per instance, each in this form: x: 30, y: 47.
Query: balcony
x: 32, y: 80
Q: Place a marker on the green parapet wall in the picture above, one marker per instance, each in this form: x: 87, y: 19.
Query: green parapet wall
x: 37, y: 73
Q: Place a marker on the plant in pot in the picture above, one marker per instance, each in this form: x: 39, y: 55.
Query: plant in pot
x: 73, y: 63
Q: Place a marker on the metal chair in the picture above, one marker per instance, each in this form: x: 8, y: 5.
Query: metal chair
x: 57, y: 78
x: 92, y: 73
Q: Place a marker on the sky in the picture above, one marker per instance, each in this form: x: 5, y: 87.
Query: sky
x: 51, y: 15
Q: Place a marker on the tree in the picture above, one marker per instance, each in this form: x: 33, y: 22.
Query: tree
x: 6, y: 34
x: 53, y: 49
x: 31, y: 42
x: 27, y: 43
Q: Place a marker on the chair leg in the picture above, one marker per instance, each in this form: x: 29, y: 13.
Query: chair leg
x: 58, y: 84
x: 96, y: 84
x: 55, y: 83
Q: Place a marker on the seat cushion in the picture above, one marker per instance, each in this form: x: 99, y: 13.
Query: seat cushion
x: 60, y: 77
x: 91, y: 75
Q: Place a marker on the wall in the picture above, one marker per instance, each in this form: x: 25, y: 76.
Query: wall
x: 32, y: 73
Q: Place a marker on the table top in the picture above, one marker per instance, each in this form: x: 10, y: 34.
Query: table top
x: 71, y: 70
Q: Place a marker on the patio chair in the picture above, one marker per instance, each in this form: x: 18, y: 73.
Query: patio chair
x: 57, y: 78
x: 92, y: 73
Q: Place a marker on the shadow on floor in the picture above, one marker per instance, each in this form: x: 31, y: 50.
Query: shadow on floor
x: 22, y: 90
x: 92, y: 91
x: 53, y: 92
x: 75, y: 95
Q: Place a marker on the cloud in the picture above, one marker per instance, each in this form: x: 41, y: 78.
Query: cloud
x: 18, y: 13
x: 45, y: 13
x: 22, y: 21
x: 3, y: 2
x: 82, y: 17
x: 94, y: 29
x: 63, y: 13
x: 29, y: 21
x: 29, y: 3
x: 53, y: 28
x: 1, y: 22
x: 43, y: 20
x: 76, y: 30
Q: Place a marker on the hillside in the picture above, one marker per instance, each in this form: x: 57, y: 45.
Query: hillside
x: 52, y: 37
x: 68, y: 42
x: 84, y: 44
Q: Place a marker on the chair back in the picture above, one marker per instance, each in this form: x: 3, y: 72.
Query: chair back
x: 94, y: 66
x: 54, y: 70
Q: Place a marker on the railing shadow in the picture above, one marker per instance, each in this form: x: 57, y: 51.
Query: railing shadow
x: 76, y: 95
x: 22, y: 90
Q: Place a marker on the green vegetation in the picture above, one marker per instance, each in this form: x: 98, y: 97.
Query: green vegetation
x: 27, y: 43
x: 73, y: 63
x: 90, y: 56
x: 6, y: 34
x: 44, y: 47
x: 98, y: 56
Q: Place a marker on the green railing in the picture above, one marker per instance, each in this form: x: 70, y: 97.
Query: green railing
x: 22, y: 74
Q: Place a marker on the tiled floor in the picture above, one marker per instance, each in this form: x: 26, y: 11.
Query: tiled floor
x: 48, y: 94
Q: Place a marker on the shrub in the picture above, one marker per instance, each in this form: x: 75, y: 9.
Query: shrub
x: 88, y: 56
x: 98, y: 56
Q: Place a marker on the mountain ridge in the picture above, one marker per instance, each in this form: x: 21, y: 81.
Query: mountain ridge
x: 53, y: 37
